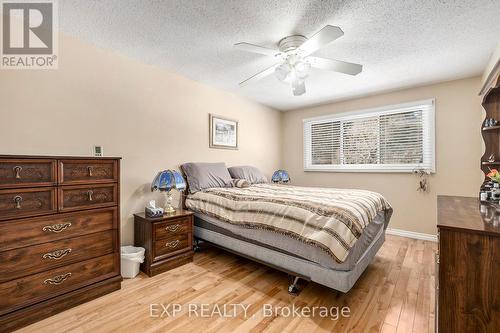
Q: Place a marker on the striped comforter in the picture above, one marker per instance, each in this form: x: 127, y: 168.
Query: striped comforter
x: 331, y: 219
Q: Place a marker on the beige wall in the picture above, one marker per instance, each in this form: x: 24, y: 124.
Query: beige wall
x: 152, y: 118
x: 458, y: 151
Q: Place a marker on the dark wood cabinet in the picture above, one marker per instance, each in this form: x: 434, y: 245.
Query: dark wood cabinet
x: 168, y: 241
x: 59, y: 235
x: 468, y: 258
x: 491, y: 134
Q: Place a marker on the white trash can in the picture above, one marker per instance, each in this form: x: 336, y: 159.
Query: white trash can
x: 131, y: 259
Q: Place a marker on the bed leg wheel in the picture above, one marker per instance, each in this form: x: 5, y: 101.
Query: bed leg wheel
x: 293, y: 290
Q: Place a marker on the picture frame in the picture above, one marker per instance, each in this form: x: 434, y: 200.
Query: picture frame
x: 223, y: 132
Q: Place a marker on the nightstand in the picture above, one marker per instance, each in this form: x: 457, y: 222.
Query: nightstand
x: 168, y: 240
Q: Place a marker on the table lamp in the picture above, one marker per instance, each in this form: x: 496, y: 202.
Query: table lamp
x: 164, y: 182
x: 280, y: 176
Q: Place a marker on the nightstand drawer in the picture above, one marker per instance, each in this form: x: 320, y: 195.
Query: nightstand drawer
x: 172, y: 245
x: 169, y: 229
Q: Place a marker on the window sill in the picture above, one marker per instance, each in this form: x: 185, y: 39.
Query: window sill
x: 365, y: 170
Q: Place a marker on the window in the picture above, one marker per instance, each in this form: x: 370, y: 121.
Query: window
x: 396, y: 138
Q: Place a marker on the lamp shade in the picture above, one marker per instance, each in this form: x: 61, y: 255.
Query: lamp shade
x: 280, y: 176
x: 167, y: 180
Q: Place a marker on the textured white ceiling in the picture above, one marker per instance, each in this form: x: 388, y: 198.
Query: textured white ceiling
x: 400, y: 43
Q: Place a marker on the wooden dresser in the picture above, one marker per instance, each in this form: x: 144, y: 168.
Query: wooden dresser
x: 59, y: 234
x: 468, y: 283
x: 168, y: 240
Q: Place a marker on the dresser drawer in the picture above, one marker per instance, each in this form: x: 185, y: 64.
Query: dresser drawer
x: 16, y: 173
x: 35, y: 288
x: 38, y: 258
x: 16, y: 203
x: 87, y: 171
x: 89, y: 196
x: 27, y: 232
x: 172, y: 245
x: 172, y: 228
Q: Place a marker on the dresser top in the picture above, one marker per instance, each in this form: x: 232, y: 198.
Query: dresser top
x: 468, y: 214
x: 58, y: 157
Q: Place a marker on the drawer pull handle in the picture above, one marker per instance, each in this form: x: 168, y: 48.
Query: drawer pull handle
x: 89, y: 170
x: 173, y: 228
x: 56, y: 227
x: 90, y: 193
x: 17, y: 171
x: 57, y: 254
x: 172, y: 244
x: 17, y: 200
x: 58, y: 279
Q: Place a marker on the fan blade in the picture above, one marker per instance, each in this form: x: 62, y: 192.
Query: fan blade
x: 259, y: 75
x: 335, y: 65
x: 298, y: 87
x: 256, y: 49
x: 323, y: 37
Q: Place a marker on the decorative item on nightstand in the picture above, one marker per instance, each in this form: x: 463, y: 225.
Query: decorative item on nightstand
x: 280, y: 176
x: 165, y: 181
x: 152, y: 211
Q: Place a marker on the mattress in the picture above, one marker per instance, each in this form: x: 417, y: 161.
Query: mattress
x: 331, y: 220
x: 290, y: 246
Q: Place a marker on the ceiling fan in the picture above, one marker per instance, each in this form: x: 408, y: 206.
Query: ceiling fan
x: 294, y: 53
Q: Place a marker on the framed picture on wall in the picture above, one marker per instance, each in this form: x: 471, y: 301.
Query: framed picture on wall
x: 223, y: 132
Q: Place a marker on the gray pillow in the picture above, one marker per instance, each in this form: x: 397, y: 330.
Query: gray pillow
x: 206, y: 175
x: 250, y: 173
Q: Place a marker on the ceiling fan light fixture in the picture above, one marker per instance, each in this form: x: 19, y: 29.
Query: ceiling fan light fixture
x: 283, y: 71
x: 298, y: 87
x: 302, y: 68
x: 295, y: 52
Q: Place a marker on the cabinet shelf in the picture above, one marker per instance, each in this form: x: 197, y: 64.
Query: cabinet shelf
x: 491, y: 163
x: 491, y: 128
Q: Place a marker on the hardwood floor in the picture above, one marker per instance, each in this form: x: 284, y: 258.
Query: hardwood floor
x: 395, y: 294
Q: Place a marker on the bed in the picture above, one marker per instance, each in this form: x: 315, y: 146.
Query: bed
x: 324, y: 235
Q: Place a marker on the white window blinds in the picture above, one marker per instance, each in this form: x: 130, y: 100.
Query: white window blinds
x: 395, y: 138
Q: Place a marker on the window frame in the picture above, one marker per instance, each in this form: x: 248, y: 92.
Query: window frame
x: 429, y: 138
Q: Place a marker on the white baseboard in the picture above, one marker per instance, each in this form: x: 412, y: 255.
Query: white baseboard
x: 411, y: 234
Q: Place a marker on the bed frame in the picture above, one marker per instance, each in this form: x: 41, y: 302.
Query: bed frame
x: 298, y: 268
